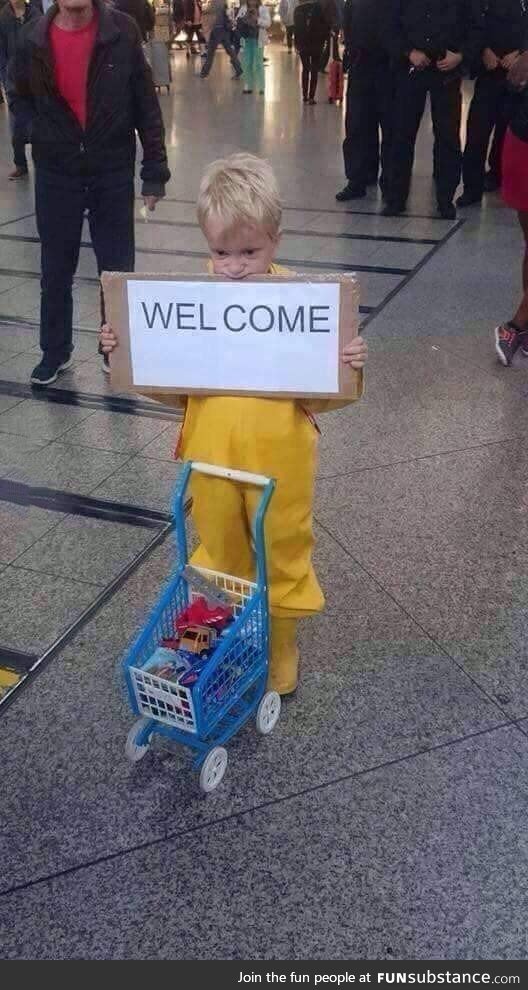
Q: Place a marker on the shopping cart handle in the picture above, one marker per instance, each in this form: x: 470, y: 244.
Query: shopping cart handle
x: 244, y: 477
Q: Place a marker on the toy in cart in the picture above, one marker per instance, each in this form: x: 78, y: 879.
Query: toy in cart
x: 198, y: 670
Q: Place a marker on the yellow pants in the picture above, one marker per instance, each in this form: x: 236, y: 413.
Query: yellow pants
x: 267, y: 436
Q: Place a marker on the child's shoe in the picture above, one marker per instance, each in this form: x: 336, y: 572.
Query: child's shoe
x: 284, y: 656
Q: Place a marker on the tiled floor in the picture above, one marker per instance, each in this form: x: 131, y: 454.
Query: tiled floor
x: 386, y: 815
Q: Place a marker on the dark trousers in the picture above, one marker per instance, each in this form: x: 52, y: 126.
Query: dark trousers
x: 489, y: 109
x: 195, y: 29
x: 217, y: 38
x: 61, y: 202
x: 368, y: 122
x: 19, y: 144
x: 326, y: 52
x: 289, y: 36
x: 446, y: 107
x: 311, y: 64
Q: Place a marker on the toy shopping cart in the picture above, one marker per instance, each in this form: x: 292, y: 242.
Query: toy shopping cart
x: 231, y: 685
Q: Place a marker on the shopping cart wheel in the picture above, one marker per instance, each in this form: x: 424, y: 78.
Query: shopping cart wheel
x: 268, y: 712
x: 213, y: 769
x: 133, y: 750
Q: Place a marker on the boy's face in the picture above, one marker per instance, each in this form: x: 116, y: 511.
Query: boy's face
x: 242, y: 252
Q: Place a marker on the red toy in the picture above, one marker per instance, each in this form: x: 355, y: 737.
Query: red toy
x: 202, y: 614
x: 336, y: 82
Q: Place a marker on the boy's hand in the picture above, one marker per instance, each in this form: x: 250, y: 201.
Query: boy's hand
x: 108, y: 339
x: 355, y: 354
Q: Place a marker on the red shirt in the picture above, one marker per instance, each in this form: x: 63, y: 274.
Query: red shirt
x: 72, y: 51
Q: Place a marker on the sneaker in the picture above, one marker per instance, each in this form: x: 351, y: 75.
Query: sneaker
x: 350, y: 192
x: 467, y: 200
x: 18, y: 173
x: 507, y: 340
x: 47, y: 371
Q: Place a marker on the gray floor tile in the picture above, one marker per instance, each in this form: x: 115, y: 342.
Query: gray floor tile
x: 420, y: 399
x: 433, y: 850
x: 142, y: 481
x: 19, y: 368
x: 372, y: 689
x: 8, y: 402
x: 86, y: 549
x: 114, y: 431
x: 20, y: 526
x: 36, y: 608
x: 15, y: 340
x: 60, y: 465
x: 15, y: 449
x: 44, y: 421
x: 443, y: 555
x: 10, y: 282
x: 164, y: 446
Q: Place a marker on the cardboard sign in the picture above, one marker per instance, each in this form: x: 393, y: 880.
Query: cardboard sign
x: 268, y: 336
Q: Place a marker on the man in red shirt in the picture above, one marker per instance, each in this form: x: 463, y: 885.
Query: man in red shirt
x: 80, y: 80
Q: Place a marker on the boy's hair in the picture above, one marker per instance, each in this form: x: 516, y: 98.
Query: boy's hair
x: 240, y: 189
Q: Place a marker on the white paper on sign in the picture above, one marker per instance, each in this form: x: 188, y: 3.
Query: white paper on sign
x: 253, y: 337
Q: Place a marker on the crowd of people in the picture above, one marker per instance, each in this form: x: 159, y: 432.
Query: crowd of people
x: 82, y: 119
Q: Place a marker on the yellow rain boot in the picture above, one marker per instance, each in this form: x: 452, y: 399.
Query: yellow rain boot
x: 284, y: 656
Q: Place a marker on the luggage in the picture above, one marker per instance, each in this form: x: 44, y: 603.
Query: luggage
x: 336, y: 79
x: 157, y: 55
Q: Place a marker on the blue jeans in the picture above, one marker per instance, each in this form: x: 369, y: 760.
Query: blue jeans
x: 60, y: 203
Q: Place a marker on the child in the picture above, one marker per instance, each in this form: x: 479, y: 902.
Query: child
x: 239, y: 212
x: 253, y: 23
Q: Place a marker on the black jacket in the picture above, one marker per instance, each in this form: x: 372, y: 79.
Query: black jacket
x: 121, y: 100
x: 505, y: 25
x: 311, y: 27
x: 365, y: 26
x: 141, y: 12
x: 10, y: 28
x: 436, y: 26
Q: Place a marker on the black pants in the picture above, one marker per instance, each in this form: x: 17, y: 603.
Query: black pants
x: 311, y: 64
x: 195, y: 29
x: 217, y: 38
x: 61, y: 202
x: 368, y: 121
x: 326, y: 52
x: 490, y: 109
x: 289, y: 36
x: 446, y: 107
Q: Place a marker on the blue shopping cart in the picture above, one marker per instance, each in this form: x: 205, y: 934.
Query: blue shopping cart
x: 231, y: 685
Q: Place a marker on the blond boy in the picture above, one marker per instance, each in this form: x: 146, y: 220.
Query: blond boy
x: 239, y: 212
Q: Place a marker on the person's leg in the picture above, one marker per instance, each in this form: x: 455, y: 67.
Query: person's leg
x: 411, y: 94
x: 289, y: 37
x: 315, y: 68
x: 521, y: 316
x: 355, y: 152
x: 111, y: 220
x: 383, y: 85
x: 481, y: 121
x: 59, y: 206
x: 211, y: 51
x: 246, y: 59
x: 513, y: 334
x: 260, y: 75
x: 305, y: 74
x: 446, y: 111
x: 505, y: 103
x: 232, y: 55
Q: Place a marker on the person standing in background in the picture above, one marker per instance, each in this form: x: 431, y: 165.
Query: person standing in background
x: 14, y: 15
x: 253, y: 24
x: 311, y: 31
x: 505, y: 34
x: 83, y: 131
x: 192, y: 14
x: 429, y: 41
x: 287, y: 14
x: 221, y: 35
x: 369, y: 99
x: 141, y: 11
